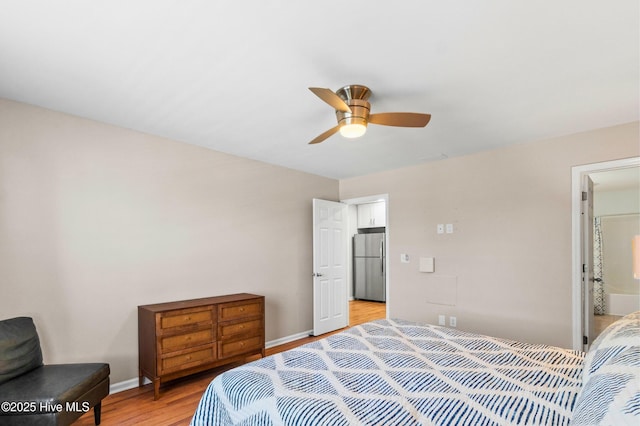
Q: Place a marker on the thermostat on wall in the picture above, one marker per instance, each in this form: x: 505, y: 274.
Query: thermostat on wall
x: 427, y: 264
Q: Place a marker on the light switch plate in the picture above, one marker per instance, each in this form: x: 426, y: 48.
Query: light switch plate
x: 449, y: 228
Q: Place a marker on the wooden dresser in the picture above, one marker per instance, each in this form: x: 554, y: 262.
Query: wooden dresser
x: 177, y: 339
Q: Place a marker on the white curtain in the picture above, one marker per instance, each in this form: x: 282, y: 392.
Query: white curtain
x: 598, y: 285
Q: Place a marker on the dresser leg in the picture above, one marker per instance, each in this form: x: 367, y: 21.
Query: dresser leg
x: 156, y: 389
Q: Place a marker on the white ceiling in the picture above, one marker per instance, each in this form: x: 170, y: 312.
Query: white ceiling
x: 233, y: 76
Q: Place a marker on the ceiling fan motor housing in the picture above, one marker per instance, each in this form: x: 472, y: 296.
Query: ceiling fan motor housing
x: 359, y: 113
x: 356, y: 96
x: 354, y: 91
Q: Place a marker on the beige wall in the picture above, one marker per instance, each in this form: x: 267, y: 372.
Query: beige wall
x: 506, y: 269
x: 96, y: 220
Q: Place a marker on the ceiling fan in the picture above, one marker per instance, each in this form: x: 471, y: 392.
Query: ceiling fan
x: 352, y: 112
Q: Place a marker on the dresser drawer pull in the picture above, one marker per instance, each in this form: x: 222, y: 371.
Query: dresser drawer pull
x: 187, y: 319
x: 188, y: 357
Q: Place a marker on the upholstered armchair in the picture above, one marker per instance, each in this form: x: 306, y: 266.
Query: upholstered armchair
x: 35, y: 394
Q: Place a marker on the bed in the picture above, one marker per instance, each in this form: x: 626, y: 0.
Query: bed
x: 395, y: 372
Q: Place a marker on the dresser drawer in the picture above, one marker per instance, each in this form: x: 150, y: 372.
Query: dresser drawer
x: 186, y: 340
x: 235, y: 310
x: 235, y: 328
x: 185, y: 317
x: 238, y: 347
x: 184, y: 360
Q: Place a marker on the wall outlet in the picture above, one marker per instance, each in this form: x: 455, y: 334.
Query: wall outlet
x: 441, y: 320
x: 440, y: 228
x: 404, y: 258
x: 453, y: 322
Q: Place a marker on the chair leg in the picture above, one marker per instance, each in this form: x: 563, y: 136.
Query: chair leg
x: 96, y: 412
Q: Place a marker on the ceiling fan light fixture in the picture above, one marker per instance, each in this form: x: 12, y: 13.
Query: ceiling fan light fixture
x: 353, y: 125
x: 353, y: 130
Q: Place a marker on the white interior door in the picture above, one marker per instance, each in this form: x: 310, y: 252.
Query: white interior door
x: 587, y: 262
x: 330, y: 293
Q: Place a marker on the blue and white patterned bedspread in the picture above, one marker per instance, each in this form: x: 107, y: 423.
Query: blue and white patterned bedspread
x: 393, y: 372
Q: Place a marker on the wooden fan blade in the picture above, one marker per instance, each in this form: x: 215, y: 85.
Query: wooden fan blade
x: 325, y: 135
x: 400, y: 119
x: 331, y: 98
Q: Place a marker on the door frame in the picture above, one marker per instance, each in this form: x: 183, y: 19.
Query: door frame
x: 577, y: 175
x: 371, y: 199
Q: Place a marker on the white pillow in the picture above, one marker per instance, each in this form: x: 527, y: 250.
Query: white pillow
x: 610, y: 393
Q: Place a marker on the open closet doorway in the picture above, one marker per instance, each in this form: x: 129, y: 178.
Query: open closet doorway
x: 601, y: 291
x: 368, y: 275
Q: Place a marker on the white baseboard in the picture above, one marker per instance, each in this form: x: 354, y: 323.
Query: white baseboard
x: 133, y: 383
x: 126, y: 385
x: 288, y: 339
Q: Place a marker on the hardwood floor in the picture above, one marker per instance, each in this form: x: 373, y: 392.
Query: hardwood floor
x: 179, y: 399
x: 603, y: 321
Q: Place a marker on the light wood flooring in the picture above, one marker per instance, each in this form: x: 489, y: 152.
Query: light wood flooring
x: 179, y: 399
x: 600, y: 322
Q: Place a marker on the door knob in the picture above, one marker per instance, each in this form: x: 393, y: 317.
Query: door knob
x: 317, y: 274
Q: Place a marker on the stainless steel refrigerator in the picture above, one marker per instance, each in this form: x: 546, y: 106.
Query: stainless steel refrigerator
x: 368, y: 267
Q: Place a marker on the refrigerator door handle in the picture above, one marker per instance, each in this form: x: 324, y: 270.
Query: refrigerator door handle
x: 382, y: 257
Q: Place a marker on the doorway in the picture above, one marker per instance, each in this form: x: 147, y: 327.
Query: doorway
x: 580, y: 316
x: 353, y: 229
x: 616, y: 222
